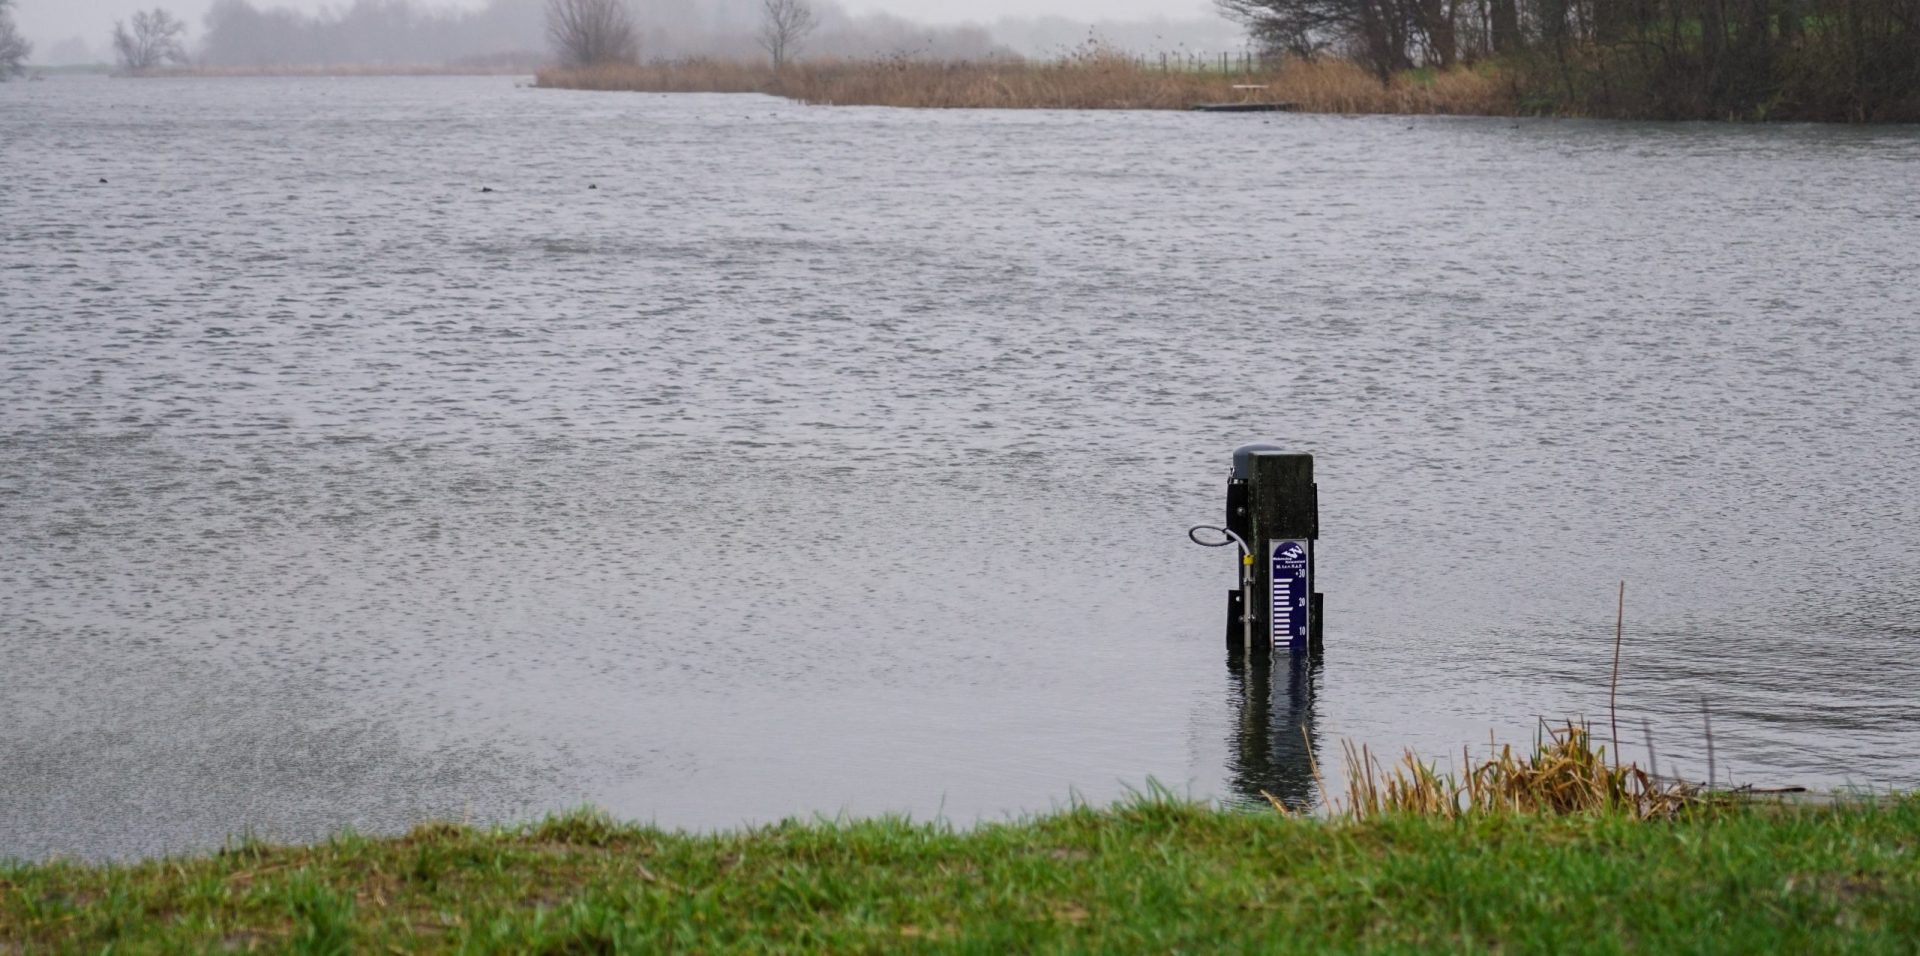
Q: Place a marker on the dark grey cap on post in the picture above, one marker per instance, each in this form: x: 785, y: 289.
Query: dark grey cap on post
x: 1243, y: 458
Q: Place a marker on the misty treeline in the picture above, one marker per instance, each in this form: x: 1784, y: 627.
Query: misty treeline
x: 589, y: 32
x: 241, y: 33
x: 237, y: 33
x: 156, y: 38
x: 14, y: 48
x: 1852, y: 60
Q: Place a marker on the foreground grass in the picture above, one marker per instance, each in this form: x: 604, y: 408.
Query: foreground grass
x: 1086, y: 82
x: 1153, y: 875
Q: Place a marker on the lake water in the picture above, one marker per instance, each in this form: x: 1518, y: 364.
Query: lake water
x: 734, y: 459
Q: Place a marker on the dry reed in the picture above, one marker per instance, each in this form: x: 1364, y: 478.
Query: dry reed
x: 1565, y: 774
x: 1090, y: 81
x: 1613, y: 686
x: 677, y: 76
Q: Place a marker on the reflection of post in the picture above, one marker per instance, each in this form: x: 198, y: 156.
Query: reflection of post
x: 1274, y: 739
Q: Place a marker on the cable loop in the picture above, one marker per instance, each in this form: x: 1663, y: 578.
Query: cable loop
x: 1227, y: 537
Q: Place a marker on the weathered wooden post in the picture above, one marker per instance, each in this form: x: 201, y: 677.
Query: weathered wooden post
x: 1273, y: 516
x: 1274, y: 505
x: 1285, y: 504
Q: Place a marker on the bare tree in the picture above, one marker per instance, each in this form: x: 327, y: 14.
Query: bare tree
x: 14, y: 48
x: 1385, y: 36
x: 784, y: 25
x: 588, y: 32
x: 1300, y: 28
x: 155, y: 40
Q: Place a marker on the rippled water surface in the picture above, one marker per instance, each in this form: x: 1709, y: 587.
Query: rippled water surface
x: 733, y: 459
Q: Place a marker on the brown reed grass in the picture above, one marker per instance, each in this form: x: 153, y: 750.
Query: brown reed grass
x: 1089, y: 81
x: 699, y: 75
x: 1565, y: 774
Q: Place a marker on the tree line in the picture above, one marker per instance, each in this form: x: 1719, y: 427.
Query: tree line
x: 1853, y: 60
x: 237, y: 33
x: 14, y: 48
x: 601, y: 32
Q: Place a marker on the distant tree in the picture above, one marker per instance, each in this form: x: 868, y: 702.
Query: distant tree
x: 155, y: 40
x: 784, y: 25
x: 1385, y: 36
x: 1300, y: 28
x: 1851, y: 60
x: 589, y: 32
x: 14, y: 48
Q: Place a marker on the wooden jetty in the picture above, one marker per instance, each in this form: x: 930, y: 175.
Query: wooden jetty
x: 1246, y: 107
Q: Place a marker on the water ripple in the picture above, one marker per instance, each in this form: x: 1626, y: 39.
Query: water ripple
x: 837, y: 459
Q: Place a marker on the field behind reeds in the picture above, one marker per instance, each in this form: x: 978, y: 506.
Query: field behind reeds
x: 1085, y: 82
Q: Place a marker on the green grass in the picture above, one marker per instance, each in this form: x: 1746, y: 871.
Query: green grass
x: 1152, y: 875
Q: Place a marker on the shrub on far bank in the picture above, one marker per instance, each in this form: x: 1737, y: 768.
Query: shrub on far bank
x: 14, y: 48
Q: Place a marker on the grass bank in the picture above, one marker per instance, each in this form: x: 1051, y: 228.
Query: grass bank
x: 1096, y: 81
x: 1154, y: 874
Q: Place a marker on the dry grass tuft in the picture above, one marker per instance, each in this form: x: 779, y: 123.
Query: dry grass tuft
x: 1566, y: 774
x: 698, y: 75
x: 1095, y: 80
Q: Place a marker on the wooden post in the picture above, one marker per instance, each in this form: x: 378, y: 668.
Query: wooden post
x: 1241, y: 624
x: 1284, y: 504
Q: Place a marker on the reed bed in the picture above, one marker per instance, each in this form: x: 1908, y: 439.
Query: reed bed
x: 676, y: 76
x: 1093, y: 81
x: 1565, y: 774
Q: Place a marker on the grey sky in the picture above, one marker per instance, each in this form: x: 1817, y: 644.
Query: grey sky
x: 47, y: 22
x: 936, y: 11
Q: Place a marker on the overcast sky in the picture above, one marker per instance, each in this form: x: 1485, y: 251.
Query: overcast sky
x: 47, y: 22
x: 936, y: 11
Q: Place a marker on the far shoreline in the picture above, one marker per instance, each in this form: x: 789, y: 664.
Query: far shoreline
x: 1112, y: 82
x: 1105, y: 80
x: 343, y: 70
x: 1102, y: 81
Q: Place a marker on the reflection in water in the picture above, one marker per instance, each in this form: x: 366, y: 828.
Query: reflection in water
x: 1275, y: 744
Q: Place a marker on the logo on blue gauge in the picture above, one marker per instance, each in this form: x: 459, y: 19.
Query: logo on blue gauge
x: 1291, y: 591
